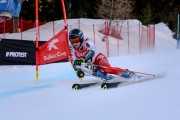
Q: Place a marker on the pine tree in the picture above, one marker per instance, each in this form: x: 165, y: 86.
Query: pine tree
x: 147, y: 17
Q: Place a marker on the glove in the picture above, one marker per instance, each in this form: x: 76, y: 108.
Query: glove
x: 79, y: 61
x: 80, y: 73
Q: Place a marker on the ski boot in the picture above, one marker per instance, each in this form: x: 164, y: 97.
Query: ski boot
x: 100, y: 74
x: 127, y: 74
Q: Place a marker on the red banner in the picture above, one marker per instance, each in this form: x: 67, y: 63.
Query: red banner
x: 55, y: 49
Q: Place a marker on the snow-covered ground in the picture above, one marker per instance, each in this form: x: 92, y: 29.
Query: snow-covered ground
x: 52, y: 98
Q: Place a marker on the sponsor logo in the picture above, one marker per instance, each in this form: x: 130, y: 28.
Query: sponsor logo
x: 53, y: 56
x: 100, y: 57
x: 52, y: 44
x: 80, y: 54
x: 16, y: 54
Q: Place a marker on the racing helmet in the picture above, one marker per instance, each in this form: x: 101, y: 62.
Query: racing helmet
x: 76, y: 35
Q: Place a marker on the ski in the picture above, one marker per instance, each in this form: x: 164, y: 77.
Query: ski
x: 117, y: 82
x: 106, y: 86
x: 78, y: 86
x: 136, y: 79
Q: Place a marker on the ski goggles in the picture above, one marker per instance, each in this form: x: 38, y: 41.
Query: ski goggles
x: 75, y: 40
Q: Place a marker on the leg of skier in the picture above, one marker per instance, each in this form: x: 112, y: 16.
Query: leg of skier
x: 101, y: 60
x: 105, y: 69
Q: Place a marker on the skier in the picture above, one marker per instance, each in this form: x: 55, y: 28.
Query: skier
x: 84, y: 51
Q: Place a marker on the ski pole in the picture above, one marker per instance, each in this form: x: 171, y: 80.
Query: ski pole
x: 123, y: 69
x: 142, y: 73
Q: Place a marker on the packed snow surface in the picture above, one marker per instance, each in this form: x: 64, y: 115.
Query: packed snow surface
x: 52, y: 98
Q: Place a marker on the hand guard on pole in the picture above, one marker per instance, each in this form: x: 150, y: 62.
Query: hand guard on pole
x: 79, y: 61
x: 80, y: 73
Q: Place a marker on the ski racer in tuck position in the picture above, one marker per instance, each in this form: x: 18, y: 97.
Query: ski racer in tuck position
x: 86, y: 59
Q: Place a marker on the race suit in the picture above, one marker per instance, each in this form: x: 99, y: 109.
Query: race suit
x: 88, y: 51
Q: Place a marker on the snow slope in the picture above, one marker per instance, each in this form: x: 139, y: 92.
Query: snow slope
x: 51, y: 98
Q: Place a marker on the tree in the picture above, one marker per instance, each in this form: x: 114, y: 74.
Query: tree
x: 147, y: 15
x: 115, y: 9
x: 157, y: 10
x: 48, y: 10
x: 83, y: 8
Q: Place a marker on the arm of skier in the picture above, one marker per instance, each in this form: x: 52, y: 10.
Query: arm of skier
x: 91, y: 50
